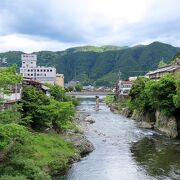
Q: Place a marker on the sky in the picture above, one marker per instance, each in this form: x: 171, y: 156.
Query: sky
x: 55, y: 25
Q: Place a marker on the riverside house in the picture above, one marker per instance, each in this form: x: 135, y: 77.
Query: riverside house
x: 124, y: 87
x: 158, y: 73
x: 169, y: 69
x: 12, y: 95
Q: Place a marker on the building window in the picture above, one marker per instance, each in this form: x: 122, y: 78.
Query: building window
x: 37, y: 74
x: 41, y: 70
x: 44, y: 70
x: 37, y: 70
x: 44, y: 74
x: 28, y: 70
x: 28, y: 74
x: 31, y: 74
x: 50, y: 70
x: 47, y: 70
x: 31, y: 70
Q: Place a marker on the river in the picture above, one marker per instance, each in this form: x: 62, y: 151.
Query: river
x: 124, y: 151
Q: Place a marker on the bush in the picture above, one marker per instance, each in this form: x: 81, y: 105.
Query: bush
x: 109, y: 100
x: 34, y: 156
x: 138, y: 96
x: 147, y: 95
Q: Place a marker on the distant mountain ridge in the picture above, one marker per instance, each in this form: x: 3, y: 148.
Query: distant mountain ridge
x: 100, y: 65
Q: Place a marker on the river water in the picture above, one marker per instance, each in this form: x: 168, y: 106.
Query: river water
x: 124, y: 151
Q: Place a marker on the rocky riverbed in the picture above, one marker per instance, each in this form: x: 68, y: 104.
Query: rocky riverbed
x: 77, y: 137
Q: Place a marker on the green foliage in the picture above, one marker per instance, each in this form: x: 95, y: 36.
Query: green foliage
x: 162, y: 64
x: 176, y: 97
x: 40, y: 111
x: 78, y: 87
x: 147, y: 95
x: 70, y: 88
x: 57, y: 92
x: 58, y: 113
x: 33, y: 156
x: 138, y: 96
x: 109, y: 100
x: 102, y: 82
x: 9, y: 116
x: 94, y: 49
x: 123, y: 104
x: 16, y: 177
x: 12, y: 132
x: 33, y: 104
x: 28, y: 155
x: 9, y: 76
x: 160, y: 94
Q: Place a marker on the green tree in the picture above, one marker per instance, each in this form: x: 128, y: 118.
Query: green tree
x: 33, y: 102
x: 70, y: 88
x: 160, y: 94
x: 176, y: 97
x: 162, y: 64
x: 138, y: 96
x: 59, y: 113
x: 78, y: 87
x: 57, y: 92
x: 10, y: 116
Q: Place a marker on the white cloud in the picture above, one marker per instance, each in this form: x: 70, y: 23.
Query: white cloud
x: 30, y: 44
x: 57, y: 24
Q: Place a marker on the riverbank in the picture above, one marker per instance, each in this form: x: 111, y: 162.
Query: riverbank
x: 153, y: 104
x: 76, y: 135
x: 150, y: 119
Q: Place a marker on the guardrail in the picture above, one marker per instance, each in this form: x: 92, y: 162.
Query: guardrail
x: 88, y: 93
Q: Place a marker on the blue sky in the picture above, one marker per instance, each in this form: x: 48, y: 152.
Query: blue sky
x: 36, y: 25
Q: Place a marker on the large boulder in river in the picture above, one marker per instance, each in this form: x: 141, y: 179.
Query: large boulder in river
x: 144, y: 119
x: 126, y: 112
x: 80, y: 142
x: 90, y: 120
x: 83, y: 145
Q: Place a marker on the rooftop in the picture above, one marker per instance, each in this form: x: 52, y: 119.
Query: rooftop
x: 168, y: 68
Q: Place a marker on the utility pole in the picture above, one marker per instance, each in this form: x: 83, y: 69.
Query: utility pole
x: 119, y: 75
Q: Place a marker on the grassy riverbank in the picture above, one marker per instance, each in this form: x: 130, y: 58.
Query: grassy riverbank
x: 32, y: 144
x: 33, y: 155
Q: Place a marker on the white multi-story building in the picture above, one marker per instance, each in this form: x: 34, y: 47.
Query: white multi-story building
x: 29, y: 69
x: 124, y: 86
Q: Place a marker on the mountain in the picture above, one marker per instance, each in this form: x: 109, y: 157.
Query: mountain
x: 94, y: 49
x: 100, y: 65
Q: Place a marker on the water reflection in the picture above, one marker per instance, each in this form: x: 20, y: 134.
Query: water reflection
x: 160, y: 157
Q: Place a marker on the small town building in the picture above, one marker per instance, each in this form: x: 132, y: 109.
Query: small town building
x: 60, y: 80
x: 160, y: 72
x: 29, y: 69
x: 133, y: 78
x: 12, y: 95
x: 38, y: 85
x: 71, y: 83
x: 124, y: 87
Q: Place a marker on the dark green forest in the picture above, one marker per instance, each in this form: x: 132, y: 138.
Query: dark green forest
x: 100, y: 65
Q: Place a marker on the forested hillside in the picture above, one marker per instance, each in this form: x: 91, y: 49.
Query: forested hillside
x: 100, y: 65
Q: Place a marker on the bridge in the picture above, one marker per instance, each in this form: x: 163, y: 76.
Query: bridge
x: 90, y: 93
